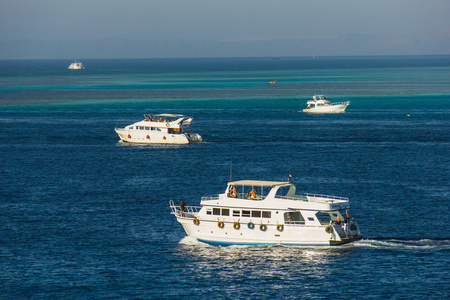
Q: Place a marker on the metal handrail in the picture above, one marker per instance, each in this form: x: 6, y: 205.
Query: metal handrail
x: 189, y: 211
x: 213, y: 197
x: 327, y: 197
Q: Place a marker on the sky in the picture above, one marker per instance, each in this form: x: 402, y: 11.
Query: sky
x: 33, y: 29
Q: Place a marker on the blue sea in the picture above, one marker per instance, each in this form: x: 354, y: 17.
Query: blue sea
x: 84, y: 216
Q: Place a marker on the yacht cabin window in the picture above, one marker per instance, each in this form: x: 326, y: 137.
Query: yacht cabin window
x: 246, y: 213
x: 256, y: 213
x: 266, y: 214
x: 237, y: 213
x: 218, y: 211
x: 174, y: 131
x: 293, y: 217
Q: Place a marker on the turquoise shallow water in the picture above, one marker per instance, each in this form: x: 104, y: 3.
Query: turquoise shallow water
x: 84, y: 216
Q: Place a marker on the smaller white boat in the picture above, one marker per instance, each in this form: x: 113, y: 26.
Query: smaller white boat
x: 322, y: 105
x: 76, y: 65
x: 160, y: 129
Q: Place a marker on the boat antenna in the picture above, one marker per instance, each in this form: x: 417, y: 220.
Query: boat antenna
x: 231, y: 169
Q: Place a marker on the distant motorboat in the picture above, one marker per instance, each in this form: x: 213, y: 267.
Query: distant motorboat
x: 76, y: 65
x: 322, y: 105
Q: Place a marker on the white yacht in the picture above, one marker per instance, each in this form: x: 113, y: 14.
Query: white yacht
x: 161, y: 129
x: 76, y: 65
x: 253, y: 212
x: 321, y: 105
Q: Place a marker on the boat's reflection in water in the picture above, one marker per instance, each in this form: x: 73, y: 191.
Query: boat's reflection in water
x: 286, y: 263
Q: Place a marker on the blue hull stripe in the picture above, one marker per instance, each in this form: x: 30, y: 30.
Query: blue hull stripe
x: 260, y: 244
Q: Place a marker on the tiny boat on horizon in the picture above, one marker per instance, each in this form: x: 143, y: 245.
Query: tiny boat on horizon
x: 76, y: 65
x: 160, y: 129
x: 322, y: 105
x: 254, y: 212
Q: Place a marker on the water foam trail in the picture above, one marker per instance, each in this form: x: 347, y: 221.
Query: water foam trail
x: 189, y: 240
x: 422, y: 246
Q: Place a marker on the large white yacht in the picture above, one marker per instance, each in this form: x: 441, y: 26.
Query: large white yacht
x: 76, y: 65
x: 322, y: 105
x: 160, y: 129
x: 253, y: 212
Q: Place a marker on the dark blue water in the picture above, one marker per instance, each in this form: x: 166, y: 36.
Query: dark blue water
x: 84, y: 216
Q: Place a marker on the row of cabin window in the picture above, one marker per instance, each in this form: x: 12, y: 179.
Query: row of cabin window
x: 239, y: 213
x: 146, y: 128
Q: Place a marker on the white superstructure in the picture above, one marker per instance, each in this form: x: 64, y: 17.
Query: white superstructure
x: 253, y: 212
x: 321, y: 105
x: 160, y: 129
x: 76, y: 65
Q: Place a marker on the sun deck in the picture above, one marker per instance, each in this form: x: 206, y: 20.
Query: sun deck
x: 257, y: 190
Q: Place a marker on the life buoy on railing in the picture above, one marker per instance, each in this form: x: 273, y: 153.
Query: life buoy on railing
x: 196, y: 221
x: 250, y: 225
x: 168, y: 124
x: 236, y: 225
x: 220, y: 224
x: 263, y: 227
x: 329, y: 229
x: 233, y: 193
x: 280, y: 227
x: 251, y: 195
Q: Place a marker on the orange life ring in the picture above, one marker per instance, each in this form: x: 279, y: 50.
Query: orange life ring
x: 280, y: 227
x: 252, y: 194
x: 233, y: 193
x: 220, y: 224
x: 196, y: 221
x: 236, y: 225
x: 168, y: 124
x: 263, y: 227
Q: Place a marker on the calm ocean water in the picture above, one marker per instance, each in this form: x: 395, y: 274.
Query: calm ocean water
x: 85, y: 216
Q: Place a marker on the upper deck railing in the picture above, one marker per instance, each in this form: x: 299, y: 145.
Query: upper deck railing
x: 305, y: 198
x: 326, y: 197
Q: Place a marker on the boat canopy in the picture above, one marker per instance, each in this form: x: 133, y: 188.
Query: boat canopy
x: 169, y: 115
x: 258, y: 183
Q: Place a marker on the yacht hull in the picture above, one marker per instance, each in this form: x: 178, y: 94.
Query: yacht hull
x: 291, y: 235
